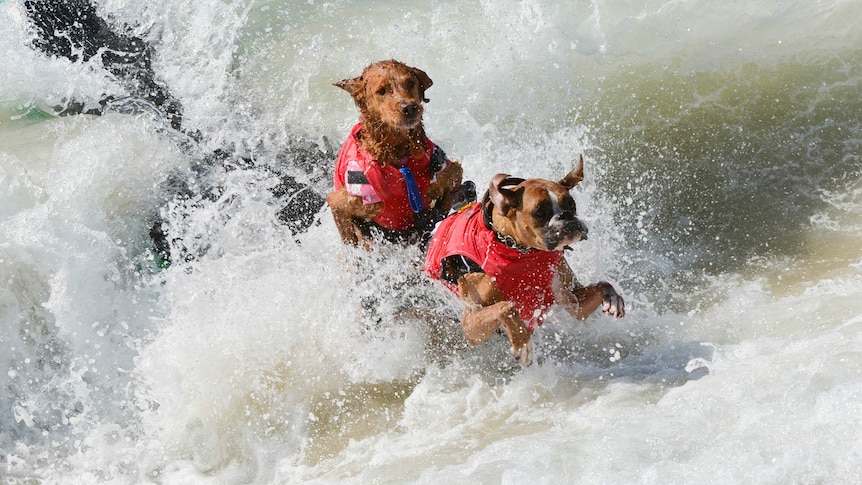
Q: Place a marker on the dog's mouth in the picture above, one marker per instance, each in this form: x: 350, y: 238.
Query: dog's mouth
x: 560, y: 233
x: 410, y: 122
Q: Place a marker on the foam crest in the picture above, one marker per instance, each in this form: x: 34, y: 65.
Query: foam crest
x: 720, y: 193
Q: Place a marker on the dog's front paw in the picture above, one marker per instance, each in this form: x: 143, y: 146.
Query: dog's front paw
x: 518, y: 333
x: 523, y: 353
x: 365, y: 211
x: 345, y: 205
x: 345, y: 209
x: 612, y: 303
x: 447, y: 180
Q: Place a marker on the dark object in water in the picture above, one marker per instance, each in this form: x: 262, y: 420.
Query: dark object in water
x: 72, y: 29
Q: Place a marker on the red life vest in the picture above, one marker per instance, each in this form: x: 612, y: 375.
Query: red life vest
x: 363, y: 176
x: 524, y: 278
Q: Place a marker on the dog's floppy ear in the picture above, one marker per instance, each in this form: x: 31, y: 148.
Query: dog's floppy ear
x: 355, y: 86
x: 501, y: 195
x: 575, y: 176
x: 425, y: 82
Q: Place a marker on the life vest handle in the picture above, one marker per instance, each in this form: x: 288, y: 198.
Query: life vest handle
x: 413, y: 193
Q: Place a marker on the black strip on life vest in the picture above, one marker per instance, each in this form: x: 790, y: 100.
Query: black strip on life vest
x: 354, y: 177
x: 454, y: 267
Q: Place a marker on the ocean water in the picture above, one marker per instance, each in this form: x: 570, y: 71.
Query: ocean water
x: 723, y: 195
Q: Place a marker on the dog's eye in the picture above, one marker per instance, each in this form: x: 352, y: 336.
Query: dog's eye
x: 410, y: 84
x: 381, y: 91
x: 543, y: 212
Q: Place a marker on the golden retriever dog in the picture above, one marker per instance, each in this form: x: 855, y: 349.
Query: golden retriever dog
x: 391, y: 182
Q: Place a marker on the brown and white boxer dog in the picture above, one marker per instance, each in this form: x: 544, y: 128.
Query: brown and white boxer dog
x: 504, y: 258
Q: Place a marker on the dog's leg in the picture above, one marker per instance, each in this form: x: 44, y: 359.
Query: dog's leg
x: 344, y: 208
x: 581, y: 301
x: 488, y: 311
x: 448, y: 180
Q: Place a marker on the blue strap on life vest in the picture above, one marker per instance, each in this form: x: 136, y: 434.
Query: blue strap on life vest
x: 412, y: 189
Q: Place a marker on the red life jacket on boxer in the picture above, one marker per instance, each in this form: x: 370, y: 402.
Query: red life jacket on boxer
x: 356, y: 170
x: 524, y: 276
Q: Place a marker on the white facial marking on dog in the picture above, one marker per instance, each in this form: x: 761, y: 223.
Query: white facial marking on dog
x: 555, y: 203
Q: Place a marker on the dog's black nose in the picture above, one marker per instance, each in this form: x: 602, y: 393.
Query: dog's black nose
x: 409, y: 109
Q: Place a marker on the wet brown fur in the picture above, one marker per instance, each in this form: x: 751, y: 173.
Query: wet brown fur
x: 389, y: 95
x: 380, y: 93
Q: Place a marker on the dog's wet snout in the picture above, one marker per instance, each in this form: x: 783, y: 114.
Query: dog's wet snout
x: 576, y: 229
x: 573, y: 225
x: 564, y: 228
x: 581, y: 228
x: 584, y: 234
x: 409, y: 109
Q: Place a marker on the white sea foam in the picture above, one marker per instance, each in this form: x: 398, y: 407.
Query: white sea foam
x: 273, y: 359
